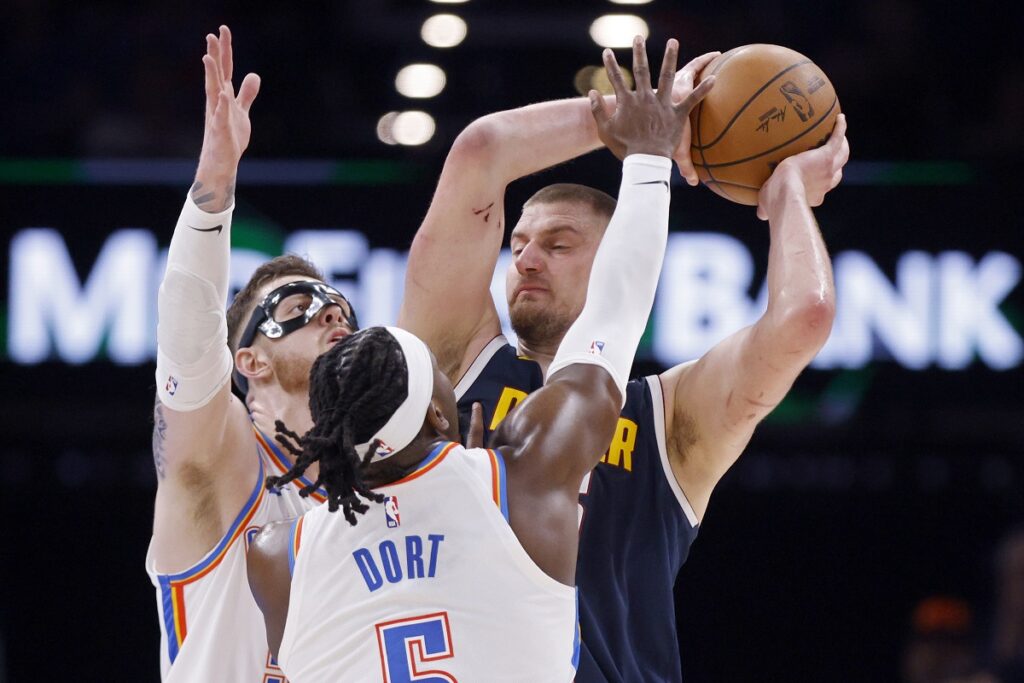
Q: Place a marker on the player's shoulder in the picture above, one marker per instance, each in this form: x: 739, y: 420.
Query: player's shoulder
x: 272, y: 536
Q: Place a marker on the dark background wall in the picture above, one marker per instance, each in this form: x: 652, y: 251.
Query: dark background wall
x: 870, y: 489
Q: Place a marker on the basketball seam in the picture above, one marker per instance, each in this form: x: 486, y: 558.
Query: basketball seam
x: 752, y: 98
x: 777, y: 147
x: 725, y: 182
x: 701, y: 150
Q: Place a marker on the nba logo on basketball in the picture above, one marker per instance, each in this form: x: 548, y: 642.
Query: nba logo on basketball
x: 596, y: 347
x: 391, y: 512
x: 171, y: 386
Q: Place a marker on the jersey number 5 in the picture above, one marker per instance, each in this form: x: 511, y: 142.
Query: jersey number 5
x: 406, y: 644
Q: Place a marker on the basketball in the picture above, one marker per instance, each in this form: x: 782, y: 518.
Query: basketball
x: 768, y: 103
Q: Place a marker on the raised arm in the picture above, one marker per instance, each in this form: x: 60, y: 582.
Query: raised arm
x: 713, y: 405
x: 202, y: 441
x: 558, y: 433
x: 447, y: 300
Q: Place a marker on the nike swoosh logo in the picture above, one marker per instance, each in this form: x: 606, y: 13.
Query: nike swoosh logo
x: 216, y: 228
x: 654, y: 182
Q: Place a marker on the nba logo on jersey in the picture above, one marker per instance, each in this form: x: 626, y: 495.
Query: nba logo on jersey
x: 171, y: 386
x: 391, y: 512
x: 596, y: 347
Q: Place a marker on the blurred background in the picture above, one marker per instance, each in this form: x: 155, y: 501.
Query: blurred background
x: 870, y: 532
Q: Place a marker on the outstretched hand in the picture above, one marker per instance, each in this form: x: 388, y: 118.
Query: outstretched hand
x: 681, y: 89
x: 644, y: 121
x: 815, y: 172
x: 227, y: 129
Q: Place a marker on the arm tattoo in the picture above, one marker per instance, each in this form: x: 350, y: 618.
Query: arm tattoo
x: 201, y: 199
x: 159, y: 435
x: 207, y: 201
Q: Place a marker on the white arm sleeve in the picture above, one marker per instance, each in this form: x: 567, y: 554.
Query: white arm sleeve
x: 193, y: 358
x: 625, y: 274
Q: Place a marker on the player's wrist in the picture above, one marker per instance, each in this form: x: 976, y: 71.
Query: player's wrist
x: 650, y: 148
x: 785, y: 184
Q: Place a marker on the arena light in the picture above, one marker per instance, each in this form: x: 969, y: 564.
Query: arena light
x: 617, y: 30
x: 413, y: 128
x: 420, y: 80
x: 596, y: 78
x: 386, y: 127
x: 457, y: 2
x: 443, y: 30
x: 620, y: 2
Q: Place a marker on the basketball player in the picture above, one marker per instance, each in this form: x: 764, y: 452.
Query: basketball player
x: 211, y: 451
x: 679, y: 432
x: 467, y: 569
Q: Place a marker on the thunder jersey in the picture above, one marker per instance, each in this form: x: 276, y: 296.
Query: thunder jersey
x: 636, y: 526
x: 210, y: 626
x: 431, y: 585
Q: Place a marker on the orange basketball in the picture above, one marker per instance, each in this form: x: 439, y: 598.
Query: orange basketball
x: 768, y: 103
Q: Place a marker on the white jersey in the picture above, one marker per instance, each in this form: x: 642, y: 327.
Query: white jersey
x: 434, y: 582
x: 211, y: 629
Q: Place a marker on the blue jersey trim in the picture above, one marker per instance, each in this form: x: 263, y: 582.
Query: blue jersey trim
x: 576, y: 635
x: 168, y: 614
x: 287, y: 462
x: 291, y: 546
x: 431, y: 457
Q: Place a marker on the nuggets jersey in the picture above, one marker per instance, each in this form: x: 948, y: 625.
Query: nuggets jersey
x: 210, y: 626
x: 636, y: 526
x: 432, y: 585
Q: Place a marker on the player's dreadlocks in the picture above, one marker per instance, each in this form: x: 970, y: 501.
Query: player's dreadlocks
x: 354, y: 388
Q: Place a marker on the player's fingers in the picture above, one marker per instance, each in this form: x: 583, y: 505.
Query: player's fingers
x: 761, y: 213
x: 641, y: 69
x: 686, y: 169
x: 844, y: 153
x: 597, y: 108
x: 248, y: 90
x: 682, y: 86
x: 227, y: 64
x: 475, y: 438
x: 687, y: 75
x: 837, y: 177
x: 213, y: 49
x: 614, y: 74
x: 668, y: 70
x: 697, y: 64
x: 691, y: 100
x: 838, y: 132
x: 212, y: 86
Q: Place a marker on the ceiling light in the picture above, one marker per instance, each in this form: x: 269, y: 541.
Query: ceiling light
x: 617, y: 30
x: 443, y: 30
x: 420, y: 80
x: 413, y: 128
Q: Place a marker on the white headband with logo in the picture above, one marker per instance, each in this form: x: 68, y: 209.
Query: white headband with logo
x: 406, y: 422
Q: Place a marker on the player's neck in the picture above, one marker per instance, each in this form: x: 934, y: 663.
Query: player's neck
x: 274, y: 403
x: 540, y: 352
x: 404, y: 462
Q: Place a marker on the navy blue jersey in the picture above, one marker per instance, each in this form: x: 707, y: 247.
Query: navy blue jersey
x: 636, y: 526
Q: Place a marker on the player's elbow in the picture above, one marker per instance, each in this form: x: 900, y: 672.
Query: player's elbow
x: 477, y: 143
x: 807, y: 322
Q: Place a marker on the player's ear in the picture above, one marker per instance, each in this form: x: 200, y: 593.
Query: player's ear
x: 435, y: 416
x: 251, y: 362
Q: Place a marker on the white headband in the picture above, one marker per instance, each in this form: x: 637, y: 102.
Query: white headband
x: 406, y: 422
